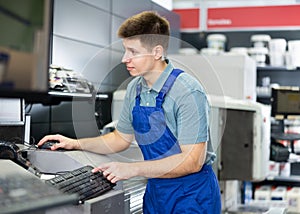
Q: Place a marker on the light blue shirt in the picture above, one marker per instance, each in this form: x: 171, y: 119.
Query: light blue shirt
x: 185, y: 107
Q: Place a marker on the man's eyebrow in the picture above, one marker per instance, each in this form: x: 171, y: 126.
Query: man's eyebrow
x: 131, y: 48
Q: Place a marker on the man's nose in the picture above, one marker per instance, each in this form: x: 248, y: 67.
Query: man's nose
x: 125, y: 58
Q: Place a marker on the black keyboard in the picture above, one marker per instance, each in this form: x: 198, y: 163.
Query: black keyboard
x: 24, y: 194
x: 83, y: 182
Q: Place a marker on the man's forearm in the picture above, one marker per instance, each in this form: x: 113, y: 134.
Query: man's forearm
x: 173, y: 166
x: 106, y: 144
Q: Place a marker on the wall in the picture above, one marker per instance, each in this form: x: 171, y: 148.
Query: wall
x: 85, y: 40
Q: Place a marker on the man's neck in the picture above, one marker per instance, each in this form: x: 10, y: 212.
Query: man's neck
x: 153, y: 75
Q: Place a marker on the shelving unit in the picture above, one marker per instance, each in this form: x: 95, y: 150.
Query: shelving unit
x: 280, y: 75
x: 291, y: 181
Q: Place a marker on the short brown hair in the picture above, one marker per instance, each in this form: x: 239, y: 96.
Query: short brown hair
x: 148, y: 26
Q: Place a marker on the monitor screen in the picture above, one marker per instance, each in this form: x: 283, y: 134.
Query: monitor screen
x: 285, y: 101
x: 25, y: 41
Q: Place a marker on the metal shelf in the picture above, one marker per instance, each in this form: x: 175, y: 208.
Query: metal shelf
x: 273, y: 68
x: 289, y: 179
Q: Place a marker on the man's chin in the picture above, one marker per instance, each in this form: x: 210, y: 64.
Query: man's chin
x: 134, y: 73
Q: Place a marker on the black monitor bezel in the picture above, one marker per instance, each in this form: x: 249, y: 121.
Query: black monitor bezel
x: 274, y: 101
x: 37, y: 95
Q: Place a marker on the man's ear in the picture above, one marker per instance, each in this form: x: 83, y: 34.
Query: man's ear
x: 158, y: 52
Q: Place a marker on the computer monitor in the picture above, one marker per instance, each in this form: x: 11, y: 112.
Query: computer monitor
x: 285, y: 101
x: 25, y: 46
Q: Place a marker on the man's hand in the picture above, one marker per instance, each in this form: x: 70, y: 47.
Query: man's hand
x: 63, y: 142
x: 116, y: 171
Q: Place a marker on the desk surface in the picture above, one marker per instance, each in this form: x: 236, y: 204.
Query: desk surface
x: 9, y: 168
x: 57, y: 161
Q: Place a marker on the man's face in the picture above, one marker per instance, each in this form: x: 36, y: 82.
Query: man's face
x: 139, y: 61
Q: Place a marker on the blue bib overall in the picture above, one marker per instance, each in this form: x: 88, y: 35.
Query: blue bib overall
x: 195, y: 193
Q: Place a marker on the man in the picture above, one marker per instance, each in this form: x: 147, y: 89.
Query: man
x: 166, y: 112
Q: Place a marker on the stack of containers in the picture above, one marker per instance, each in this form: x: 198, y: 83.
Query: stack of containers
x: 293, y: 198
x: 263, y: 193
x: 216, y: 41
x: 293, y: 54
x: 216, y: 44
x: 271, y: 196
x: 268, y: 194
x: 260, y: 40
x: 259, y: 50
x: 279, y: 193
x: 277, y: 49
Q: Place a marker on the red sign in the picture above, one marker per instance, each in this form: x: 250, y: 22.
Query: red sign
x: 253, y: 17
x: 189, y: 18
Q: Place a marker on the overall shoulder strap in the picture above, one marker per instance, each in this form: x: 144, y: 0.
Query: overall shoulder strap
x: 167, y: 86
x: 138, y: 92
